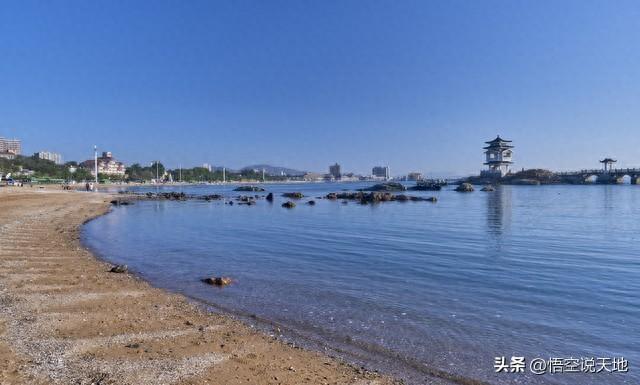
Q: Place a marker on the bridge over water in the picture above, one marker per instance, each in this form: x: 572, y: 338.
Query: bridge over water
x: 608, y: 176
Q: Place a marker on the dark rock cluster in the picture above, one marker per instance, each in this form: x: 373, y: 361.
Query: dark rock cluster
x: 246, y: 200
x: 376, y: 197
x: 218, y: 281
x: 119, y: 269
x: 293, y: 195
x: 288, y: 205
x: 389, y: 186
x: 465, y: 187
x: 426, y: 186
x: 120, y: 202
x: 170, y: 196
x: 249, y: 188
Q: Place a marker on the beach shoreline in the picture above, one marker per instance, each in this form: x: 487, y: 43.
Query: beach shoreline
x: 66, y: 319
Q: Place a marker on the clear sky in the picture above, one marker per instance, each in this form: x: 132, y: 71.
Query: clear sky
x: 416, y: 85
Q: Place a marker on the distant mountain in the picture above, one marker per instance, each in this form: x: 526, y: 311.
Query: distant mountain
x: 274, y: 170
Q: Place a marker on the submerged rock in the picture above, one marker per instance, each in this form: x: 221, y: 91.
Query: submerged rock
x: 288, y: 205
x: 249, y: 188
x: 119, y: 269
x: 488, y: 188
x: 212, y: 197
x: 311, y: 203
x: 218, y: 281
x: 465, y: 187
x: 293, y: 195
x: 389, y: 186
x: 426, y: 186
x: 118, y: 202
x: 245, y: 199
x: 376, y: 197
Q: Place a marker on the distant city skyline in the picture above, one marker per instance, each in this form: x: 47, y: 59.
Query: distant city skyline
x: 415, y: 86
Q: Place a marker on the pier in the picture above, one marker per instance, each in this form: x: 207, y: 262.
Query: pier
x: 608, y: 176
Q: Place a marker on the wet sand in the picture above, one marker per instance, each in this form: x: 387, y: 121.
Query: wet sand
x: 65, y: 319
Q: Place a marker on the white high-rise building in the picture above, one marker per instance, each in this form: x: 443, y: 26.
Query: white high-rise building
x: 52, y: 156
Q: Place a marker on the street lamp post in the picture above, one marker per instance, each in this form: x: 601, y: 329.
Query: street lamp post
x: 95, y: 162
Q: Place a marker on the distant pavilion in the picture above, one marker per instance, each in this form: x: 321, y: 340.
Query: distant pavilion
x: 607, y: 164
x: 498, y: 158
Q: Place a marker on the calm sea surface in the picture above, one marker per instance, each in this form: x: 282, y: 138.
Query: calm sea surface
x: 412, y: 288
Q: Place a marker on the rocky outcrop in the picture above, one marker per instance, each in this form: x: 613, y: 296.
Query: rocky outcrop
x: 172, y: 196
x: 119, y: 269
x: 389, y: 186
x: 161, y: 196
x: 249, y: 188
x: 218, y: 281
x: 376, y: 197
x: 465, y: 187
x: 212, y: 197
x: 120, y: 202
x: 288, y: 205
x: 246, y: 200
x: 293, y: 195
x: 426, y: 186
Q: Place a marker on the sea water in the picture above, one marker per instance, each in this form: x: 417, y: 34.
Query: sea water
x: 429, y: 292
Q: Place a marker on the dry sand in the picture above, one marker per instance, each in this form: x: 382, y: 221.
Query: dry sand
x: 65, y: 319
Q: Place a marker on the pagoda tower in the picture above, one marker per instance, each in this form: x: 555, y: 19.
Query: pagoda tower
x: 498, y: 157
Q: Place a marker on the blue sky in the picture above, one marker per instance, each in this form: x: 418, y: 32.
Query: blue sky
x: 416, y: 85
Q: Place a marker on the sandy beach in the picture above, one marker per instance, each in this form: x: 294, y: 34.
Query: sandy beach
x: 65, y: 319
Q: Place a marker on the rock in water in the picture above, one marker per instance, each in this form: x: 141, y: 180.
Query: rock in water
x: 465, y: 187
x: 390, y: 186
x: 218, y: 281
x: 288, y: 205
x: 119, y: 269
x: 426, y: 186
x: 248, y: 188
x: 270, y: 197
x: 119, y: 202
x: 311, y: 203
x: 488, y: 188
x: 293, y: 195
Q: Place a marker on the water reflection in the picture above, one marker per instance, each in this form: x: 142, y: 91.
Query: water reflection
x: 499, y: 210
